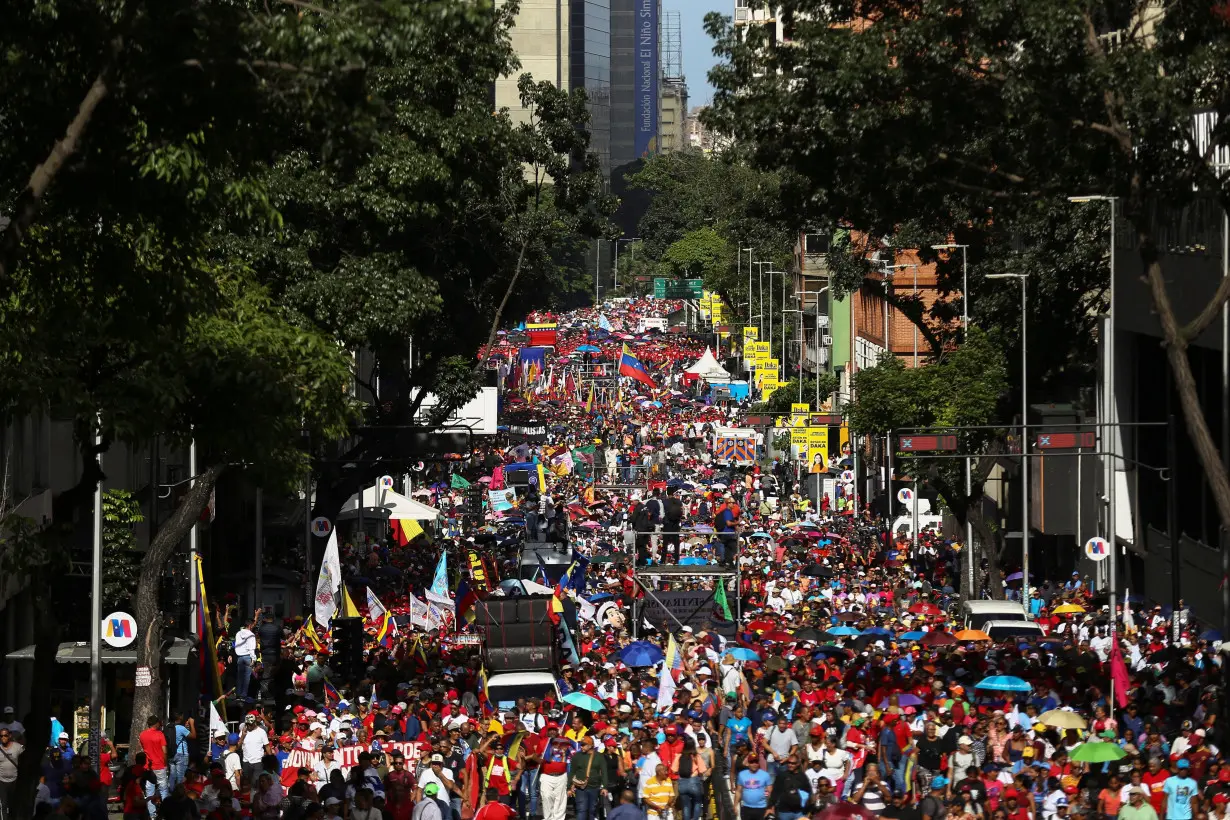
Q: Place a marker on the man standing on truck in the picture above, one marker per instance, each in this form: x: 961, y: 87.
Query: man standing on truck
x: 673, y: 518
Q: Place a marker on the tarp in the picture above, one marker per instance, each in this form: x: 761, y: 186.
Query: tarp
x: 533, y: 355
x: 79, y: 652
x: 388, y: 504
x: 707, y: 368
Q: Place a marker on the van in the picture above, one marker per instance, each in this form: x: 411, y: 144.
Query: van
x: 974, y: 614
x: 1012, y: 629
x: 504, y: 690
x: 903, y: 527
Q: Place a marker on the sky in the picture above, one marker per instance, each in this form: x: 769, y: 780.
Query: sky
x: 697, y: 47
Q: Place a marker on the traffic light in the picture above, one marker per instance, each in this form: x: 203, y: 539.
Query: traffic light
x: 347, y: 658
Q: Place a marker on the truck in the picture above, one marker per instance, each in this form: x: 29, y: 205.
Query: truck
x: 647, y: 323
x: 734, y: 445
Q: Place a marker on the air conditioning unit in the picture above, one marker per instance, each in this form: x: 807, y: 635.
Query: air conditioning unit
x: 742, y: 15
x: 826, y: 340
x: 824, y: 320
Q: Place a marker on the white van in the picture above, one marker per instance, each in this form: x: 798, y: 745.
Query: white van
x: 904, y: 525
x: 974, y: 614
x: 504, y: 689
x: 1004, y: 630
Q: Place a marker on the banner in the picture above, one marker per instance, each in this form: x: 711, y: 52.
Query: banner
x: 502, y: 500
x: 348, y: 756
x: 647, y: 99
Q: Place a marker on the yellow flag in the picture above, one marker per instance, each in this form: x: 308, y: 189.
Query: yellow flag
x: 589, y: 403
x: 411, y: 528
x: 349, y: 610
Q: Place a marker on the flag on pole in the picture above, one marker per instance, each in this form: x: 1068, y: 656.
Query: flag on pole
x: 604, y: 323
x: 674, y: 658
x: 633, y: 368
x: 205, y: 628
x: 666, y: 687
x: 466, y: 601
x: 329, y: 582
x: 438, y: 591
x: 719, y: 598
x: 216, y: 723
x: 349, y: 610
x: 589, y: 403
x: 332, y: 696
x: 405, y: 531
x: 387, y: 631
x: 574, y: 576
x: 309, y: 631
x: 1118, y: 673
x: 375, y: 609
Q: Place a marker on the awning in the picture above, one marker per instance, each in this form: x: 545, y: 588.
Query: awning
x: 79, y: 652
x: 378, y: 503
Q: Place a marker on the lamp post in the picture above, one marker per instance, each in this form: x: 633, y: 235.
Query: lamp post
x: 1108, y: 434
x: 969, y: 471
x: 760, y: 280
x: 1024, y: 437
x: 817, y: 293
x: 800, y: 340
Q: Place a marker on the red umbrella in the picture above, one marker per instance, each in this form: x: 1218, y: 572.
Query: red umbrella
x: 939, y: 638
x: 925, y: 608
x: 777, y: 635
x: 846, y: 811
x: 761, y: 626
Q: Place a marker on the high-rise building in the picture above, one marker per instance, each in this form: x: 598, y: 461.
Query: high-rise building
x: 673, y: 117
x: 635, y: 79
x: 567, y: 42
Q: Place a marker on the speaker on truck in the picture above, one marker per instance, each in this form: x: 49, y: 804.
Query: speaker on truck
x: 521, y: 659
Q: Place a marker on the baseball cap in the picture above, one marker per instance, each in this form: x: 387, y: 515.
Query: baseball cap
x: 431, y: 789
x: 939, y: 782
x: 437, y: 758
x: 1184, y: 764
x: 1137, y: 790
x: 63, y: 736
x: 1061, y: 802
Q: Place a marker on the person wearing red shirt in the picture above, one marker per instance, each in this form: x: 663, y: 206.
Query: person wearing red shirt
x: 1015, y: 807
x: 670, y: 749
x: 154, y: 744
x: 1155, y: 781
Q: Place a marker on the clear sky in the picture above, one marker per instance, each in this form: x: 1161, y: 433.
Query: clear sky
x: 697, y: 47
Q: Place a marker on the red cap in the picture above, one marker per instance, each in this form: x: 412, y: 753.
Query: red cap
x: 600, y: 726
x: 1010, y: 793
x: 1224, y: 775
x: 672, y: 730
x: 1221, y: 798
x: 552, y: 725
x: 816, y: 731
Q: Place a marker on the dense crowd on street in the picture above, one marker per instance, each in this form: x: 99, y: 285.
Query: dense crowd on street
x: 831, y: 675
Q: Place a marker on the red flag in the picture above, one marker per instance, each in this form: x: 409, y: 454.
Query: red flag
x: 1119, y: 674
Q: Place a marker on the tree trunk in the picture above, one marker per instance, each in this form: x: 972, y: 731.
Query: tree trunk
x: 1185, y: 382
x: 38, y: 730
x: 990, y: 548
x: 147, y: 700
x: 512, y: 283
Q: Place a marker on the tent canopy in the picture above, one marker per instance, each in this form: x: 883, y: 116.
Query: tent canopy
x: 707, y: 368
x: 79, y: 652
x: 387, y: 504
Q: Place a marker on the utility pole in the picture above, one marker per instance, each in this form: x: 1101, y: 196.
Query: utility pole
x: 96, y: 616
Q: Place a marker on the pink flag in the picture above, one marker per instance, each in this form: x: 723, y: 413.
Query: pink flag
x: 1119, y: 674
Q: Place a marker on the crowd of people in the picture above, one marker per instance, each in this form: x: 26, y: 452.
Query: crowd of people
x: 830, y: 673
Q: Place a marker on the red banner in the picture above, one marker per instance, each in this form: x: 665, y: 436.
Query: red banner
x: 348, y: 756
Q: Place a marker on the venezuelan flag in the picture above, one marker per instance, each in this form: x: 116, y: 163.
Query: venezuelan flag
x: 674, y: 658
x: 332, y: 696
x: 632, y: 367
x: 387, y: 631
x: 466, y: 599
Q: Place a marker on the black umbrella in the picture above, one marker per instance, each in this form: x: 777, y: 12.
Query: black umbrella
x: 818, y: 570
x: 810, y: 633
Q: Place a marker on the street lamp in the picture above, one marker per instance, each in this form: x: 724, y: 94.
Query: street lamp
x: 800, y: 340
x: 1024, y: 278
x: 969, y: 470
x: 817, y: 293
x: 1110, y: 436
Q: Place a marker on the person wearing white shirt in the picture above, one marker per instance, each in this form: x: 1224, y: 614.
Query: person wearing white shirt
x: 245, y: 657
x: 253, y: 746
x: 1100, y: 644
x: 323, y: 768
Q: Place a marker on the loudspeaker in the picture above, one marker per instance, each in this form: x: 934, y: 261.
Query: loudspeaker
x: 532, y: 610
x: 517, y: 478
x: 347, y: 657
x: 514, y: 635
x: 521, y: 659
x: 495, y: 611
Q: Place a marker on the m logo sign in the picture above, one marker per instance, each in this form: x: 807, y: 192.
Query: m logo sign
x: 119, y: 629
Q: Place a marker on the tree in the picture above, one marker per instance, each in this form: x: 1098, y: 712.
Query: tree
x: 982, y: 111
x: 962, y: 388
x: 725, y: 197
x: 700, y: 254
x: 121, y: 512
x: 788, y: 394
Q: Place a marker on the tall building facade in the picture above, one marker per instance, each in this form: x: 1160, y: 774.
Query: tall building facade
x: 567, y: 42
x: 673, y: 117
x: 623, y: 82
x: 589, y: 59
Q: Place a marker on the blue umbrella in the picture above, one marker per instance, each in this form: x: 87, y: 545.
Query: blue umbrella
x: 912, y: 636
x: 843, y: 630
x: 691, y: 560
x: 741, y: 653
x: 876, y: 630
x: 833, y: 651
x: 641, y: 653
x: 588, y: 349
x: 1003, y: 683
x: 598, y: 598
x: 1210, y: 635
x: 650, y: 691
x: 761, y: 535
x: 583, y: 701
